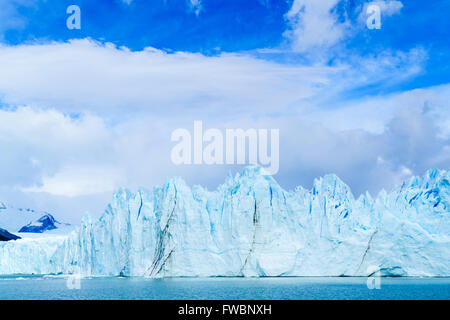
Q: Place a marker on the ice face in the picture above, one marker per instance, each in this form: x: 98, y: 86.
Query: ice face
x: 250, y: 226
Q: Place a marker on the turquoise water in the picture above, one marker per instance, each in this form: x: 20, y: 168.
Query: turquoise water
x: 223, y: 288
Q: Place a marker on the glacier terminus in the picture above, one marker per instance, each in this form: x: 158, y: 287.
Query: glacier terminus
x: 251, y: 227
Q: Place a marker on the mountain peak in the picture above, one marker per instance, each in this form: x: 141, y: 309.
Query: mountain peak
x: 44, y: 223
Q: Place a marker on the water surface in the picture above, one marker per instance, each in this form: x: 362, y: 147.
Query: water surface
x: 223, y: 288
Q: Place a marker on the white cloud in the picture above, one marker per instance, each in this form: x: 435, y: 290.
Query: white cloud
x: 84, y: 75
x: 314, y: 25
x: 48, y: 153
x: 388, y: 8
x: 39, y: 143
x: 409, y: 143
x: 373, y: 114
x: 100, y: 117
x: 196, y: 6
x: 79, y: 181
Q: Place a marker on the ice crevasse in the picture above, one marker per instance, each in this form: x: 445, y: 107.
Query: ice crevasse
x: 250, y: 226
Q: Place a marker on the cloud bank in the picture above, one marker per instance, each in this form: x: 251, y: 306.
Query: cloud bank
x: 81, y: 118
x: 86, y: 118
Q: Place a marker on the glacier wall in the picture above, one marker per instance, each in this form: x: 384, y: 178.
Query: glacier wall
x: 250, y: 226
x: 29, y: 255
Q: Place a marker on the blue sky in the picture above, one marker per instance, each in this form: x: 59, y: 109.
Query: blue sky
x: 83, y: 112
x: 211, y: 27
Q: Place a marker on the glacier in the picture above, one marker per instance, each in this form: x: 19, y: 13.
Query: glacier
x: 251, y: 227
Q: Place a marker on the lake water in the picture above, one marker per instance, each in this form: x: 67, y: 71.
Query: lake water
x: 222, y: 288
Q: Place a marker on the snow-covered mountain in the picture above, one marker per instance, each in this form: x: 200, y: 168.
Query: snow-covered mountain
x: 250, y: 226
x: 45, y: 223
x: 13, y: 218
x: 16, y: 219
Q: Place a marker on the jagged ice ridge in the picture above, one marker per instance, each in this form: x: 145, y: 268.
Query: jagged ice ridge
x: 250, y: 226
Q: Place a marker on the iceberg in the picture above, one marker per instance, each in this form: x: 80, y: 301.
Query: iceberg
x: 251, y: 227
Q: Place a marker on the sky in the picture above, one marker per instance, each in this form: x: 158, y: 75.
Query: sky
x: 86, y: 111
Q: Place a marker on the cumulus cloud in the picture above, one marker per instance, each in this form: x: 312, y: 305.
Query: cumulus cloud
x: 38, y: 142
x: 404, y: 138
x: 314, y: 25
x: 83, y: 75
x: 98, y: 117
x: 53, y: 153
x: 388, y: 8
x: 74, y: 181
